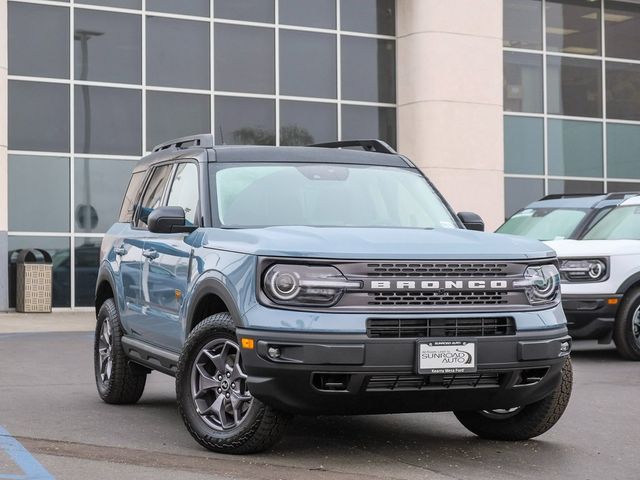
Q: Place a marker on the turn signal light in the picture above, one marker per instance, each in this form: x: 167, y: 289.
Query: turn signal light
x: 612, y: 301
x: 247, y: 343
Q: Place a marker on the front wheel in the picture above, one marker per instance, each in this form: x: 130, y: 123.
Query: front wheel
x: 213, y: 396
x: 626, y: 331
x: 522, y: 423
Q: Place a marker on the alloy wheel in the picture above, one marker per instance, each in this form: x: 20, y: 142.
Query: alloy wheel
x: 105, y: 351
x: 501, y: 413
x: 635, y: 325
x: 219, y: 385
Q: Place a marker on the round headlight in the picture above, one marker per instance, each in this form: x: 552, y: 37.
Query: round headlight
x: 542, y: 283
x: 596, y: 269
x: 305, y: 285
x: 284, y: 285
x: 583, y: 269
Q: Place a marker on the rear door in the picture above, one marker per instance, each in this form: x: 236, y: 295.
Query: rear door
x: 166, y: 280
x: 127, y: 249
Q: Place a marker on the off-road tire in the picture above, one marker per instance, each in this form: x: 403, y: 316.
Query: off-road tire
x: 262, y: 427
x: 126, y: 383
x: 627, y: 344
x: 531, y: 421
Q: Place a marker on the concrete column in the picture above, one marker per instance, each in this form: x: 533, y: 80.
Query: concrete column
x: 4, y: 270
x: 450, y: 99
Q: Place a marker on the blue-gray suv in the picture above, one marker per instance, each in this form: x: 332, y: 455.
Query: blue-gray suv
x: 330, y: 279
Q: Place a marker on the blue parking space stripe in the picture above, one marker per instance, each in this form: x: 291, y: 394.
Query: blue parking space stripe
x: 31, y: 468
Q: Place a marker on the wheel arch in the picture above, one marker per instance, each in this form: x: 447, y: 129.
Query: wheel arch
x: 632, y: 282
x: 104, y: 289
x: 211, y: 296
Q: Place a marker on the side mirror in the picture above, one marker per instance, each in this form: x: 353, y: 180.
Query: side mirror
x: 472, y: 221
x: 168, y: 220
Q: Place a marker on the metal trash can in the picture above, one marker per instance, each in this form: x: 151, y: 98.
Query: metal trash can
x: 33, y: 281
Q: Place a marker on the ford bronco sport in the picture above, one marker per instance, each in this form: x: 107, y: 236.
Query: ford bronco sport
x: 562, y: 216
x: 273, y: 281
x: 600, y: 274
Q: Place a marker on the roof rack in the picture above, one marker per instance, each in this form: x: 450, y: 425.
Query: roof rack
x: 621, y: 195
x: 204, y: 140
x: 367, y: 145
x: 556, y: 196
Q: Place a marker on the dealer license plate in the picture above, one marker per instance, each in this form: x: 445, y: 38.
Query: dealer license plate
x: 437, y: 357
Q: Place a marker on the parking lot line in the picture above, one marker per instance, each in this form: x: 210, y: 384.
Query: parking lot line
x: 31, y: 468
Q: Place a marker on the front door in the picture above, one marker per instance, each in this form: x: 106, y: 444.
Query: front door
x: 165, y: 275
x: 134, y: 256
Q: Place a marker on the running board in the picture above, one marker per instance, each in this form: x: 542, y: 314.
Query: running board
x: 150, y: 356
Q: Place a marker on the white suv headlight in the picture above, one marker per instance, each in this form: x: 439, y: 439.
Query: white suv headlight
x: 541, y: 284
x: 583, y: 269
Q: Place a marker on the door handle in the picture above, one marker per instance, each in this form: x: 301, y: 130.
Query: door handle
x: 120, y: 251
x: 150, y: 254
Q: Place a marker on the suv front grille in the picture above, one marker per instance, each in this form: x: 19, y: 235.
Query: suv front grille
x: 436, y: 298
x: 381, y: 383
x: 440, y: 327
x: 436, y: 269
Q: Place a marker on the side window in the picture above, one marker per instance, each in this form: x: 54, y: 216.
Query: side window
x: 152, y: 197
x: 184, y: 191
x: 128, y: 204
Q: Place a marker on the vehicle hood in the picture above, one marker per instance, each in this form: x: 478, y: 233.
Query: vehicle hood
x: 594, y: 248
x: 375, y: 243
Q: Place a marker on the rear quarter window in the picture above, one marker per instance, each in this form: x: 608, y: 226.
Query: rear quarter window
x: 129, y: 202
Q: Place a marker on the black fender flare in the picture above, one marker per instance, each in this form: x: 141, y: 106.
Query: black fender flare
x: 207, y: 286
x: 105, y: 275
x: 628, y: 283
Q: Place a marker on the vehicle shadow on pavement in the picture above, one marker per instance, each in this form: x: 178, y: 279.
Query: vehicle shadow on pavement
x: 422, y: 440
x: 598, y: 353
x: 407, y: 438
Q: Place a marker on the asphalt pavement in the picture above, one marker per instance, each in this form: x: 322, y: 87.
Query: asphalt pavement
x: 53, y: 425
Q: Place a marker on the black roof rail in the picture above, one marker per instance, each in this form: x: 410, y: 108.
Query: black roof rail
x: 621, y: 195
x: 368, y: 145
x: 556, y: 196
x: 205, y: 140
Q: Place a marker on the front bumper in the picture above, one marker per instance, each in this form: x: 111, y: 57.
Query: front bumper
x: 590, y: 316
x: 319, y: 373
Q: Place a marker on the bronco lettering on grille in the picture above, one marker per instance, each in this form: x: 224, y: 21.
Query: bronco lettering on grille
x: 418, y: 284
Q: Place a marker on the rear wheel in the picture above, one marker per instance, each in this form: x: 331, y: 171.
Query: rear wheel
x: 626, y: 331
x: 522, y: 423
x: 213, y: 396
x: 117, y: 380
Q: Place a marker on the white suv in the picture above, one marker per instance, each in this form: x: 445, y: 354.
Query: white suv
x: 601, y: 279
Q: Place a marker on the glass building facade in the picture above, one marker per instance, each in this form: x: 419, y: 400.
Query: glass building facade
x: 571, y: 98
x: 95, y: 84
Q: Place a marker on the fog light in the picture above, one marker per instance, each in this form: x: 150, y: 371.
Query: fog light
x: 565, y: 347
x: 273, y: 352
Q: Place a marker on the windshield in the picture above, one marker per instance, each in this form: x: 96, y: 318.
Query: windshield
x: 544, y: 223
x: 622, y: 223
x: 324, y: 195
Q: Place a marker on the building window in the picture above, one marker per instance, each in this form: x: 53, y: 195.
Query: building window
x: 522, y: 82
x: 107, y: 80
x: 571, y: 114
x: 522, y: 26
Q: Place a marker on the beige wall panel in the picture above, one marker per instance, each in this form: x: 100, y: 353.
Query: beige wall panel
x: 442, y: 66
x: 454, y: 135
x: 465, y: 17
x: 450, y: 99
x: 479, y: 191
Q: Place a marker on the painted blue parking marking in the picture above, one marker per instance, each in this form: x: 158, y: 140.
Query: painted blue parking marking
x: 31, y: 468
